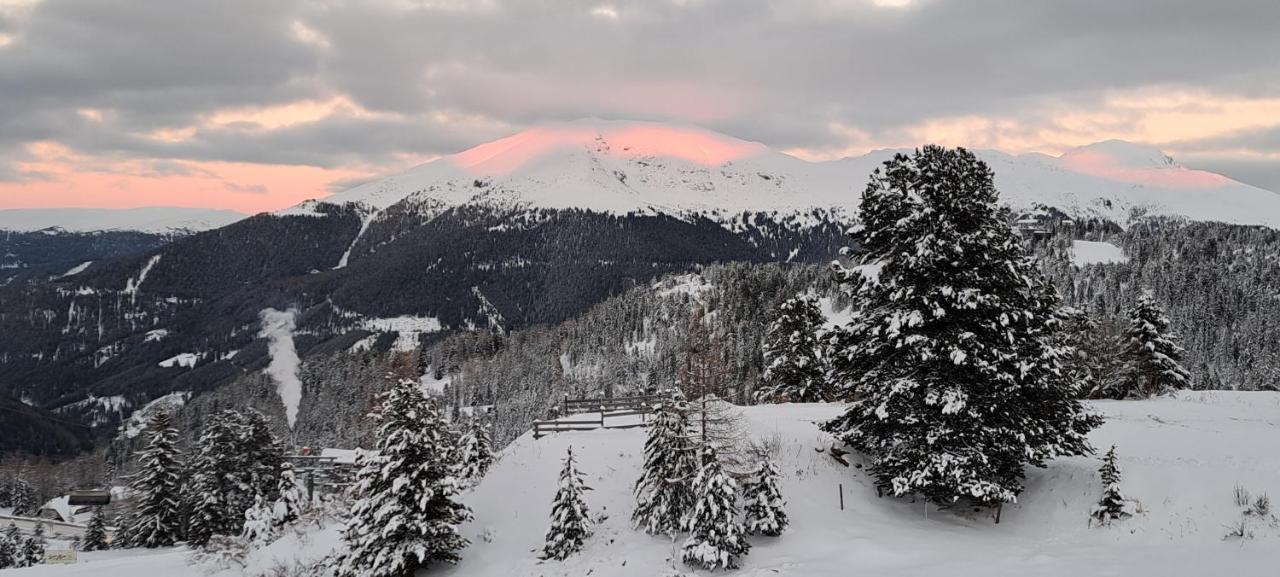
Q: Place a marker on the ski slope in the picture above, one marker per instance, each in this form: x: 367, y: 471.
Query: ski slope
x: 626, y: 166
x: 1182, y: 459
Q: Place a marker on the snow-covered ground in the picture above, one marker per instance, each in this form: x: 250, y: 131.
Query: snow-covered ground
x: 1182, y: 459
x: 156, y: 219
x: 1084, y: 252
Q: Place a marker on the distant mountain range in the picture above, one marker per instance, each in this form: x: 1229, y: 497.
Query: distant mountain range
x: 531, y: 229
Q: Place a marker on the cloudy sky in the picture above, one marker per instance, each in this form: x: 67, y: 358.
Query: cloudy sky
x: 257, y: 104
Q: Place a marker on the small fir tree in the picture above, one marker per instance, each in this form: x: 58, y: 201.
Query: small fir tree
x: 1113, y: 505
x: 765, y: 513
x: 95, y: 535
x: 1152, y: 358
x: 570, y: 523
x: 477, y: 451
x: 795, y: 368
x: 407, y: 515
x: 31, y: 552
x: 8, y: 549
x: 716, y: 534
x: 156, y: 520
x: 953, y: 365
x: 291, y: 499
x: 258, y: 528
x: 664, y: 494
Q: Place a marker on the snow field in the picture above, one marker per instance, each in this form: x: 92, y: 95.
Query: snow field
x: 1181, y: 458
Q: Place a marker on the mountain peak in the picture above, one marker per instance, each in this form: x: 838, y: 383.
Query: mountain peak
x: 617, y: 138
x: 1120, y: 153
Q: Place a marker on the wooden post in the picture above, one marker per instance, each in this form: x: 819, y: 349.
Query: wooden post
x: 311, y: 485
x: 841, y: 496
x: 999, y: 509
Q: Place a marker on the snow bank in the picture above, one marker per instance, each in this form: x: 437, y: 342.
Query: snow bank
x: 1084, y: 252
x: 277, y: 328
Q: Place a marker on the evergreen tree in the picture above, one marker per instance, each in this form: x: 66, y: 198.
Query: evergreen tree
x: 156, y: 520
x: 795, y: 369
x: 664, y: 494
x: 8, y: 549
x: 32, y: 550
x: 951, y: 367
x: 95, y: 535
x: 237, y: 460
x: 1113, y: 505
x: 765, y: 514
x: 1152, y: 358
x: 291, y: 500
x: 477, y: 451
x: 716, y: 534
x: 570, y: 524
x: 407, y: 515
x: 258, y: 528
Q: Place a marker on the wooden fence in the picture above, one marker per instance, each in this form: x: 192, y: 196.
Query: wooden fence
x: 612, y: 408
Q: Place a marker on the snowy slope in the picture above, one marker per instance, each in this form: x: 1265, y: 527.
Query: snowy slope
x: 622, y: 166
x: 158, y: 219
x: 1182, y: 458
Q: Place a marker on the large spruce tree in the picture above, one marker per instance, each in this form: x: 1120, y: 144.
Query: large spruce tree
x: 664, y: 492
x: 1152, y: 358
x: 95, y: 535
x: 407, y: 514
x: 795, y: 368
x: 156, y: 520
x: 952, y: 366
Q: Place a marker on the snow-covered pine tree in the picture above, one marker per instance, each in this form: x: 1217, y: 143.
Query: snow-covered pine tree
x: 23, y: 498
x: 95, y: 535
x: 214, y: 476
x: 570, y: 524
x: 291, y: 500
x: 951, y: 366
x: 795, y: 368
x: 1152, y: 358
x: 258, y: 528
x: 156, y: 520
x: 8, y: 549
x: 765, y: 512
x: 477, y: 451
x: 716, y: 534
x: 407, y: 515
x: 1113, y: 505
x: 32, y: 550
x: 237, y: 460
x: 664, y: 493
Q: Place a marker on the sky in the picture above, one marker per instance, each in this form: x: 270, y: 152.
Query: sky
x: 258, y: 104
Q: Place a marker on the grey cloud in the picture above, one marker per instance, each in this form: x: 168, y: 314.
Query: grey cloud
x: 768, y: 70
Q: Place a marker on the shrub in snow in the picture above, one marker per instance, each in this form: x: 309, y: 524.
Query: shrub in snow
x: 765, y: 514
x: 570, y: 524
x: 237, y: 459
x: 477, y: 451
x: 1261, y: 506
x: 156, y: 520
x: 663, y: 492
x: 716, y: 534
x: 952, y: 367
x: 1113, y: 505
x: 407, y: 515
x: 258, y: 528
x: 95, y: 535
x: 1152, y: 358
x: 795, y: 369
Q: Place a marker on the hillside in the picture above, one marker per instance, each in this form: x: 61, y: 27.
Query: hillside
x: 153, y: 219
x: 1182, y: 459
x: 28, y: 430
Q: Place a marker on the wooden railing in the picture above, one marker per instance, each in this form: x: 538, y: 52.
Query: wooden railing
x: 611, y: 408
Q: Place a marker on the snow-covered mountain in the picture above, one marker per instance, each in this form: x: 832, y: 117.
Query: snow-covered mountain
x: 623, y: 166
x: 155, y: 219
